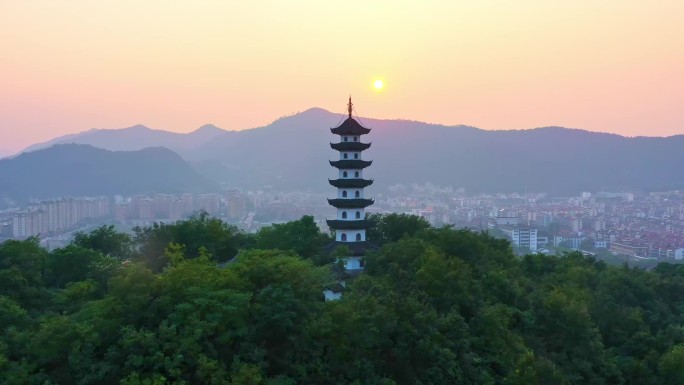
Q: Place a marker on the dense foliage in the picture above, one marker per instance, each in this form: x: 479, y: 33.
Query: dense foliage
x: 198, y: 302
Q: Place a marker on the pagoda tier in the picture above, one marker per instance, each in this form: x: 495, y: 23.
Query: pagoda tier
x: 354, y: 203
x: 350, y: 127
x: 350, y: 146
x: 350, y: 183
x: 356, y: 248
x: 351, y: 163
x: 336, y: 224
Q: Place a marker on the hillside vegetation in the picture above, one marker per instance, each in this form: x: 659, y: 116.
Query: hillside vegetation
x: 199, y: 302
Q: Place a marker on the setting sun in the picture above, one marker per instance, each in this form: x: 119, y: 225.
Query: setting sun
x: 378, y: 84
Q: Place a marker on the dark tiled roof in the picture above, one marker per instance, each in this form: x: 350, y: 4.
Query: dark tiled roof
x: 350, y: 127
x: 350, y: 183
x: 351, y: 163
x: 350, y: 203
x: 350, y: 146
x: 337, y: 224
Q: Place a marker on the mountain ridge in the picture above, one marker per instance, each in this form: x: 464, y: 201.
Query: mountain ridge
x: 214, y: 130
x: 293, y: 153
x: 136, y: 137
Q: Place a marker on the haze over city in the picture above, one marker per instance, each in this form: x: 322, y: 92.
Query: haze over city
x: 605, y: 66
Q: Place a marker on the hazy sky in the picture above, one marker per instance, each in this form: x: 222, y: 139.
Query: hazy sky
x: 603, y: 65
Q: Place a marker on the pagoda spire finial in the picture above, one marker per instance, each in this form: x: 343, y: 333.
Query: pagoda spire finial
x: 349, y: 106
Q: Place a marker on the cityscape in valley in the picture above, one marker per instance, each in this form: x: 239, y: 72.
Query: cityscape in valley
x: 628, y: 226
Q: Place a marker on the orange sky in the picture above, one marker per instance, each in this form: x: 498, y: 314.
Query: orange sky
x: 603, y: 65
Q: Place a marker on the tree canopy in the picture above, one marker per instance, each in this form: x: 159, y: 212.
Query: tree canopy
x: 199, y: 302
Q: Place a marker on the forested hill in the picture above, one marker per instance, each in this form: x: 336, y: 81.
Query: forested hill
x: 82, y: 170
x: 198, y: 302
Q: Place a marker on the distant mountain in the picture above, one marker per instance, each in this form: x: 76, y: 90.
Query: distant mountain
x: 135, y: 138
x: 82, y: 170
x: 293, y: 153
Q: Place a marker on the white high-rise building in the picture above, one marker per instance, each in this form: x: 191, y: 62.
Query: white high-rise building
x: 27, y: 224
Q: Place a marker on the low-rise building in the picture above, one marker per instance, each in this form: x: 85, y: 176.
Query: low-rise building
x: 522, y: 237
x: 679, y: 254
x: 602, y: 244
x: 628, y: 249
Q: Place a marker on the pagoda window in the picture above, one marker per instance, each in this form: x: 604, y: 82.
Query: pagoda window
x: 356, y: 138
x: 357, y: 194
x: 346, y: 139
x: 356, y: 156
x: 344, y: 174
x: 344, y: 194
x: 358, y: 237
x: 344, y: 215
x: 345, y: 155
x: 356, y: 174
x: 358, y: 215
x: 344, y: 237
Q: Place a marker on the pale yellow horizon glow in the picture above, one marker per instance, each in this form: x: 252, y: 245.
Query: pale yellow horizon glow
x: 601, y: 65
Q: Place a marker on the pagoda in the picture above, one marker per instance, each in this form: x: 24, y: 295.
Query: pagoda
x: 350, y: 223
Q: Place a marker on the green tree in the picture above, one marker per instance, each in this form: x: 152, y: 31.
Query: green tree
x: 22, y: 268
x: 533, y: 370
x: 302, y: 236
x: 74, y: 263
x: 434, y: 306
x: 106, y: 240
x: 11, y: 314
x: 672, y: 366
x: 218, y: 239
x: 385, y: 228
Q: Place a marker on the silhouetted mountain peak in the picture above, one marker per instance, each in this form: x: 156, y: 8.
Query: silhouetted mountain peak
x: 137, y: 127
x: 570, y: 131
x: 208, y: 128
x: 316, y: 111
x: 311, y: 115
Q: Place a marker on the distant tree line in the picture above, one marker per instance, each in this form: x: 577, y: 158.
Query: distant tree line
x: 200, y: 302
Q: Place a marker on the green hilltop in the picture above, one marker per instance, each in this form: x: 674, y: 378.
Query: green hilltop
x: 199, y: 302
